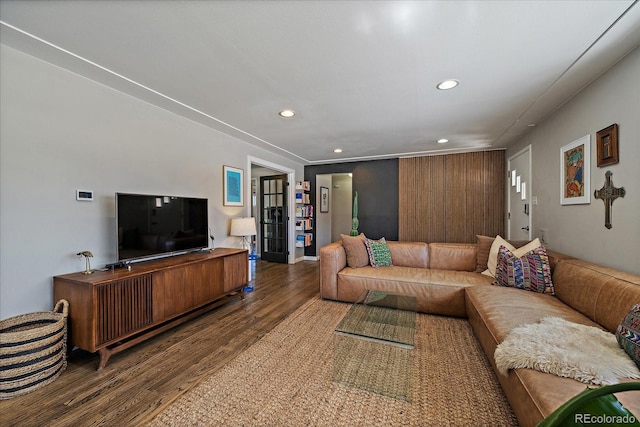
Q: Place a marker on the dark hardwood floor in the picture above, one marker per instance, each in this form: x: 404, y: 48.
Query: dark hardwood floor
x: 141, y: 381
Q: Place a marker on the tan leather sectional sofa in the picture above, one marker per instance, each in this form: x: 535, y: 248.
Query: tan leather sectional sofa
x: 443, y: 277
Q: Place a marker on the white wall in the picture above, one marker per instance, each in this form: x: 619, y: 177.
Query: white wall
x: 579, y: 230
x: 341, y: 205
x: 61, y: 132
x: 323, y: 220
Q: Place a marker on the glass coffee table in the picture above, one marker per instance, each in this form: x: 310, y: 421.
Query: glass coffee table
x: 373, y: 344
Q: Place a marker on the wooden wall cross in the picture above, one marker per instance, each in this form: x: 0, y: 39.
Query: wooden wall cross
x: 608, y: 193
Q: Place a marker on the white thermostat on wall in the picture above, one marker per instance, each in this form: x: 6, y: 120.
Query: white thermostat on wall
x: 84, y: 195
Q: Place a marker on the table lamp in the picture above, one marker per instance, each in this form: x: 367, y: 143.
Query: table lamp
x: 244, y: 227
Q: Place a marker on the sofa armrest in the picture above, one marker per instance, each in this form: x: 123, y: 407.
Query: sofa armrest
x: 332, y: 259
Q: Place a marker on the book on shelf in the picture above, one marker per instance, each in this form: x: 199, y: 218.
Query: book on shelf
x: 304, y: 224
x: 304, y: 211
x: 304, y: 239
x: 303, y: 185
x: 303, y: 198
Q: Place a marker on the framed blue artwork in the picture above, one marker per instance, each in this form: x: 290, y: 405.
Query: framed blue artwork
x: 233, y: 186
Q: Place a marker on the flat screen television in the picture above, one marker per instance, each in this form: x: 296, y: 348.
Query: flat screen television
x: 152, y: 226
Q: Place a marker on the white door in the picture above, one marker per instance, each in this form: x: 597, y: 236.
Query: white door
x: 519, y: 195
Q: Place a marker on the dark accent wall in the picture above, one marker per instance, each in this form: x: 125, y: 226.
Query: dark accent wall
x: 376, y: 182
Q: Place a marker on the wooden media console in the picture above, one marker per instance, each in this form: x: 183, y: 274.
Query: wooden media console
x: 110, y: 311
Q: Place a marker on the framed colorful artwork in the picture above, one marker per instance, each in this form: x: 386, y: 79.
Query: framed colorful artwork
x: 233, y: 185
x: 575, y: 172
x: 607, y: 146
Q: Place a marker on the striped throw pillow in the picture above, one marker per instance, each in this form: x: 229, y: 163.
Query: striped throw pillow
x: 530, y: 272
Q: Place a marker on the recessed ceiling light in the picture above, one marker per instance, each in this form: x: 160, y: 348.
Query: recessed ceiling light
x: 337, y: 150
x: 287, y: 113
x: 447, y: 84
x: 443, y: 141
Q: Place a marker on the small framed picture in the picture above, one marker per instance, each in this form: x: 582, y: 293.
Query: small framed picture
x: 607, y: 146
x: 575, y: 172
x: 233, y: 186
x: 324, y: 199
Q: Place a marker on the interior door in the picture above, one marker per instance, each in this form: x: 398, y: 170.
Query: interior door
x: 519, y: 216
x: 274, y: 218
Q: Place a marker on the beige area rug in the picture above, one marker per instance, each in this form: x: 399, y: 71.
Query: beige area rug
x: 285, y: 379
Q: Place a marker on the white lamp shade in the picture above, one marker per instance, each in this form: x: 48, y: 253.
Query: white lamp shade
x: 243, y: 226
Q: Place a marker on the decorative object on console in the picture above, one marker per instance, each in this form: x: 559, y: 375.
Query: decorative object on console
x: 355, y: 223
x: 86, y: 255
x: 233, y: 186
x: 607, y: 146
x: 379, y: 253
x: 575, y: 172
x: 244, y: 227
x: 608, y: 193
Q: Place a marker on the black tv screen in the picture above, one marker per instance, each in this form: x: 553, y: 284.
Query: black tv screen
x: 150, y: 226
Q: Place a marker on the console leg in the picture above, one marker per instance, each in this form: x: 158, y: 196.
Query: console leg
x: 105, y: 354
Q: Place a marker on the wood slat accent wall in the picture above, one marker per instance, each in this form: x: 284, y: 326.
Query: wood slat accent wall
x: 451, y: 198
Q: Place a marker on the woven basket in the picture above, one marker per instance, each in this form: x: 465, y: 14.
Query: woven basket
x: 33, y: 350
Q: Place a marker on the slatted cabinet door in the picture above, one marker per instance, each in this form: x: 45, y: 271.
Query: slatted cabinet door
x: 122, y: 307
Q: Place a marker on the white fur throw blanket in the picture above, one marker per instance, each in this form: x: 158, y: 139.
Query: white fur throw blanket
x: 565, y: 349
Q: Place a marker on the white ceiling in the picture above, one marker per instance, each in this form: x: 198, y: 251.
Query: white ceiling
x: 361, y: 75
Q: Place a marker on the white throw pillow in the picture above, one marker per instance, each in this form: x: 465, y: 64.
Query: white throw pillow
x: 495, y: 247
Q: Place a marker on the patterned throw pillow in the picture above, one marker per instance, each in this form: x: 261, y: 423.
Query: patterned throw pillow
x: 530, y: 272
x: 518, y: 250
x: 628, y: 334
x: 379, y: 253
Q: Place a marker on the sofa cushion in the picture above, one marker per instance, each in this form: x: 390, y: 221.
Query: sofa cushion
x: 409, y: 254
x: 379, y: 254
x: 356, y: 250
x: 484, y: 246
x: 530, y: 272
x: 628, y: 334
x: 504, y: 308
x: 438, y: 291
x: 453, y: 256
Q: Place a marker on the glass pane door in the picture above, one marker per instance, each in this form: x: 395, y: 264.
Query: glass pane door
x: 274, y: 219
